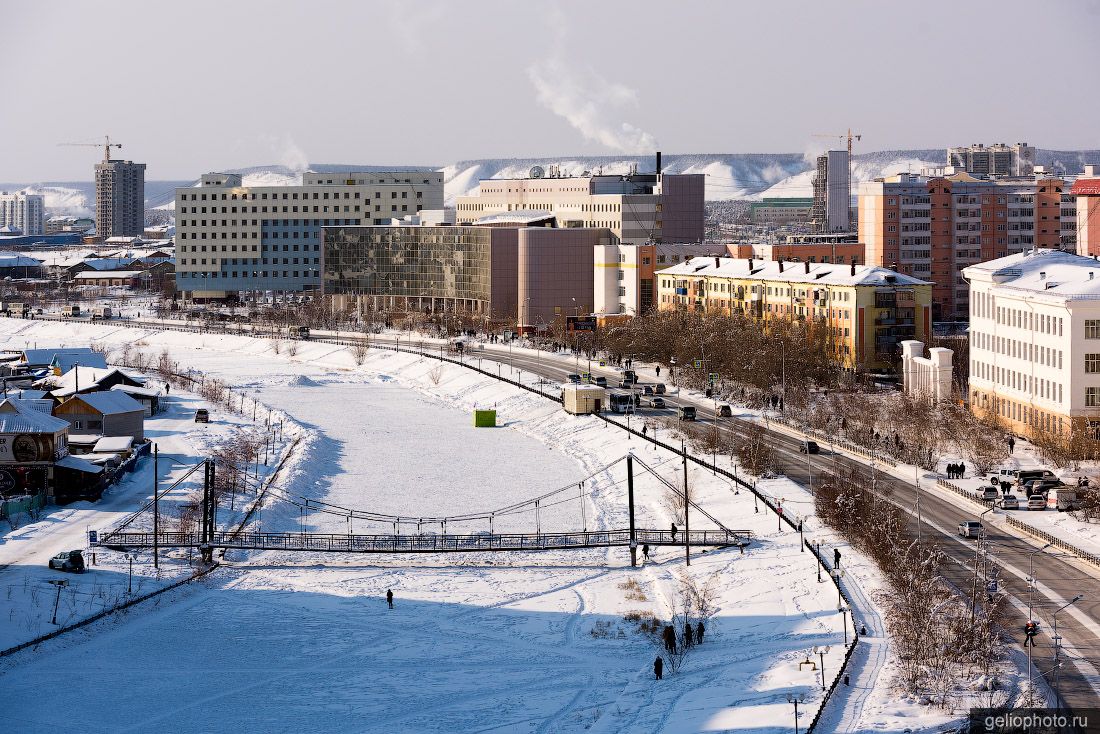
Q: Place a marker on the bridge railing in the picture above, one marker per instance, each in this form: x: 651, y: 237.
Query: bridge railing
x: 429, y: 542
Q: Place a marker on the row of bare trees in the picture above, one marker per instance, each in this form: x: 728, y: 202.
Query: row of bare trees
x: 941, y: 637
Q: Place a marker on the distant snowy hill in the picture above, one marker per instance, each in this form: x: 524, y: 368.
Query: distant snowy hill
x: 729, y: 175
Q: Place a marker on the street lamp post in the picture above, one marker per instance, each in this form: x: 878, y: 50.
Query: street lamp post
x: 844, y: 617
x: 791, y: 698
x: 59, y: 583
x: 1057, y: 647
x: 822, y: 652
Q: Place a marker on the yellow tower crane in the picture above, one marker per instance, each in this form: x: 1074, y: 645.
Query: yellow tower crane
x: 106, y: 145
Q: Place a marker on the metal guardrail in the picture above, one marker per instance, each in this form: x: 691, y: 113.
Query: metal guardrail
x: 428, y: 542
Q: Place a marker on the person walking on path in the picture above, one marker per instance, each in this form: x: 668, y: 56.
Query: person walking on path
x: 658, y: 667
x: 167, y: 388
x: 699, y: 633
x: 688, y: 642
x: 389, y: 597
x: 658, y: 370
x: 645, y: 551
x: 673, y: 531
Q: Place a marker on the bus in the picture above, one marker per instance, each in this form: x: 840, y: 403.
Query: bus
x: 620, y: 402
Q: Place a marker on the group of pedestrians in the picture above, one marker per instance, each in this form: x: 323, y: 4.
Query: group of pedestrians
x: 692, y: 636
x: 956, y: 471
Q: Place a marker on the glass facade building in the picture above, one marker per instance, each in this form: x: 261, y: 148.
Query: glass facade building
x: 423, y: 268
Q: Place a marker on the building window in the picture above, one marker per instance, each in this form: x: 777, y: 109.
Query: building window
x: 1092, y: 328
x: 1092, y: 363
x: 1092, y: 397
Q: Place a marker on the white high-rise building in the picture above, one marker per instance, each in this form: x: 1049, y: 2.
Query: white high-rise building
x: 23, y: 212
x: 832, y: 193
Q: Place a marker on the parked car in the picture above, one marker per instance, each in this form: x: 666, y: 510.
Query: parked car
x: 970, y: 529
x: 809, y: 447
x: 657, y: 402
x: 202, y: 415
x: 1036, y: 502
x: 1010, y: 502
x: 71, y: 561
x: 990, y: 494
x: 686, y: 413
x: 725, y: 411
x: 575, y: 379
x: 1041, y: 486
x: 647, y: 390
x: 601, y: 381
x: 659, y: 388
x: 1026, y: 475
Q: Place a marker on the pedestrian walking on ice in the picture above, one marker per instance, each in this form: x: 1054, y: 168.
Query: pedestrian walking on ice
x: 658, y: 667
x: 389, y: 597
x: 699, y: 634
x: 669, y: 636
x: 645, y: 551
x: 688, y: 642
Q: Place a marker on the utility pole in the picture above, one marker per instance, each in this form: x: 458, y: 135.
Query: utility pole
x: 156, y: 506
x: 630, y: 508
x: 687, y: 504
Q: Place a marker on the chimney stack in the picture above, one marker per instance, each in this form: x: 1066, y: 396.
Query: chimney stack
x: 658, y: 163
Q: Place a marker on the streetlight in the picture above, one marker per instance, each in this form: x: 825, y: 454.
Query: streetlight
x: 1031, y: 579
x: 822, y: 652
x: 843, y: 609
x: 838, y: 574
x: 60, y: 584
x: 791, y: 698
x: 817, y: 547
x: 1057, y: 647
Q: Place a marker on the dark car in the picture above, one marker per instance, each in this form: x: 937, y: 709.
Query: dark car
x: 575, y: 379
x: 687, y: 413
x: 657, y: 402
x: 659, y: 388
x: 725, y: 411
x: 648, y: 390
x: 601, y: 381
x: 71, y: 561
x: 202, y: 415
x: 809, y: 447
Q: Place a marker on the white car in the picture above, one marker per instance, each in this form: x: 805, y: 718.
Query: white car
x: 970, y: 529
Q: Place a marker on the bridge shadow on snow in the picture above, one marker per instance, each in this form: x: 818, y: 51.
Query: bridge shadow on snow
x: 217, y: 656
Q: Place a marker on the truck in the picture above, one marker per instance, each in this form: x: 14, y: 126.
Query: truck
x: 101, y: 312
x: 297, y: 332
x: 579, y: 399
x: 1062, y: 499
x: 70, y: 311
x: 10, y: 308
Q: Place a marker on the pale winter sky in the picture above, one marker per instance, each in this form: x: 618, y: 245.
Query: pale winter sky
x: 203, y: 85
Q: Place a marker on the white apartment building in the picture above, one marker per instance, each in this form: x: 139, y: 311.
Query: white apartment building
x: 1035, y: 340
x: 24, y: 212
x: 625, y: 274
x: 637, y: 208
x: 232, y: 238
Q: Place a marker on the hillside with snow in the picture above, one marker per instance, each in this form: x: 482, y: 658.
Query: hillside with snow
x: 729, y: 175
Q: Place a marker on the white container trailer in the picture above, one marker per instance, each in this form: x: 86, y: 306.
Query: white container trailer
x: 583, y: 399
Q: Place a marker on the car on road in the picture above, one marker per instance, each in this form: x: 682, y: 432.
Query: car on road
x: 686, y: 413
x: 657, y: 402
x: 809, y: 447
x: 1036, y: 502
x: 725, y: 411
x: 648, y: 390
x: 1010, y: 502
x: 71, y: 561
x: 1041, y: 486
x: 659, y: 388
x: 970, y: 529
x: 575, y: 379
x: 630, y: 376
x: 202, y: 415
x: 601, y: 381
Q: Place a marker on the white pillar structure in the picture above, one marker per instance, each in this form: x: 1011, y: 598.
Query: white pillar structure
x: 928, y: 376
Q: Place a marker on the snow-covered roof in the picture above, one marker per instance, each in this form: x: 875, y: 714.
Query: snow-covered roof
x: 84, y: 378
x: 76, y: 464
x: 1053, y: 274
x: 64, y: 358
x: 109, y: 402
x: 792, y: 272
x: 144, y: 392
x: 519, y: 216
x: 18, y: 261
x: 16, y: 416
x: 108, y: 275
x: 106, y: 263
x: 113, y: 444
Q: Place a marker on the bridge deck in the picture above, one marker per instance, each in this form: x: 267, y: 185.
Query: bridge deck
x: 426, y: 543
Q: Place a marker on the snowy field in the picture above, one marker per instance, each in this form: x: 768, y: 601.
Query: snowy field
x: 504, y: 642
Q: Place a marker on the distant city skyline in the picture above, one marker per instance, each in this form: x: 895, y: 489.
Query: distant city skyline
x: 210, y: 85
